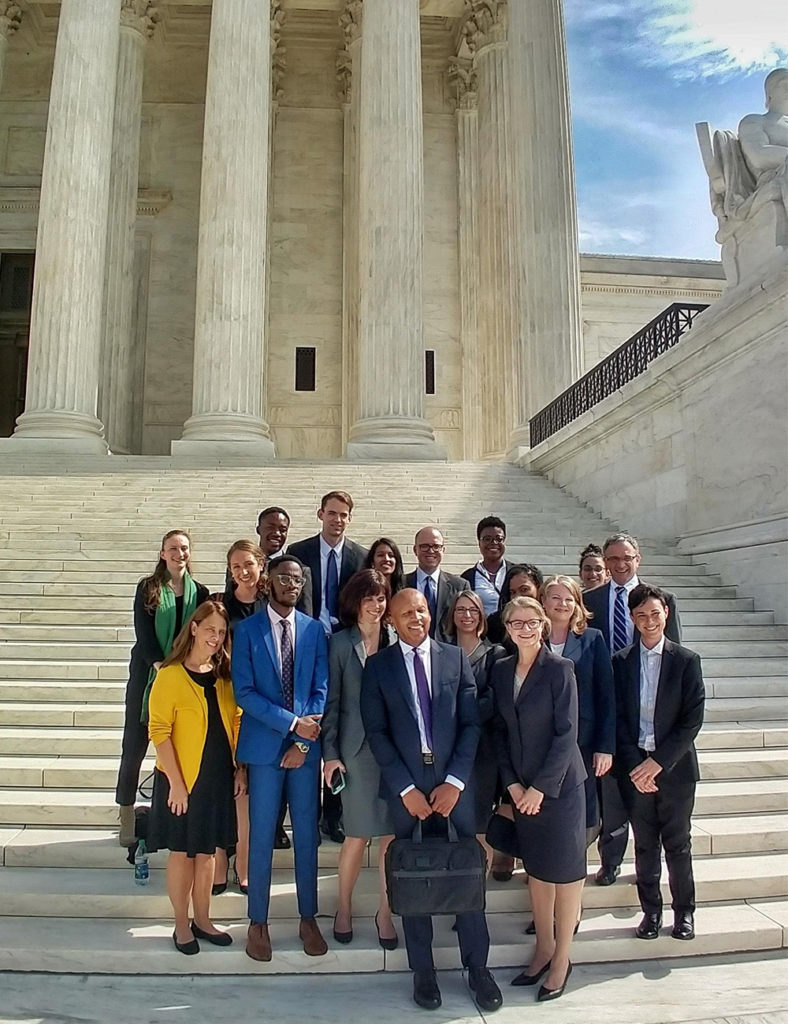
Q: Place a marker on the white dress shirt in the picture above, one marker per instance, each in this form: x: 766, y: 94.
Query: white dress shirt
x: 629, y: 586
x: 489, y: 587
x: 650, y: 665
x: 409, y: 653
x: 326, y: 621
x: 276, y: 629
x: 421, y: 576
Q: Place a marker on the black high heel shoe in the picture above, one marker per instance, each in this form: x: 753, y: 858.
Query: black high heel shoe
x: 523, y: 978
x: 385, y: 943
x: 218, y: 888
x: 343, y: 937
x: 242, y: 888
x: 545, y: 993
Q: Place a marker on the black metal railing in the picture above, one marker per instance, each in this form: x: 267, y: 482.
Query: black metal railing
x: 627, y: 362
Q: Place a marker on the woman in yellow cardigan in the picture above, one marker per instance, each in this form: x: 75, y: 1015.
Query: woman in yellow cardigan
x: 194, y: 726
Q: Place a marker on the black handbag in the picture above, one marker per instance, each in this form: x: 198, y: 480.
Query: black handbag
x: 436, y: 874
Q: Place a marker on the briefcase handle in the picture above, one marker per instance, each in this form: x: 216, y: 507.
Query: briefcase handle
x: 451, y: 832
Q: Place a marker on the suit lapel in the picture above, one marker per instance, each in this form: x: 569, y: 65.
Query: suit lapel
x: 358, y: 645
x: 300, y: 652
x: 533, y: 675
x: 270, y: 645
x: 634, y: 688
x: 438, y: 682
x: 572, y: 646
x: 665, y: 671
x: 403, y: 681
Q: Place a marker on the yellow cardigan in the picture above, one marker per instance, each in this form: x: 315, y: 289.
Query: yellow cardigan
x: 178, y: 710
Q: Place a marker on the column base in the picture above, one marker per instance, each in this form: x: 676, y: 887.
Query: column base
x: 61, y: 433
x: 519, y: 445
x: 218, y: 435
x: 212, y: 449
x: 394, y: 439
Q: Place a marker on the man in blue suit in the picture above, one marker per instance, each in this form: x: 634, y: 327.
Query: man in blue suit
x: 280, y: 678
x: 418, y: 703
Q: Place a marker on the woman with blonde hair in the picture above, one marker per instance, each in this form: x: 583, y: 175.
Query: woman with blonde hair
x: 162, y: 603
x: 194, y: 726
x: 541, y: 767
x: 571, y: 637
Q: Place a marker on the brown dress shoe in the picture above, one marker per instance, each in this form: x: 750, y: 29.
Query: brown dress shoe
x: 258, y: 942
x: 314, y: 943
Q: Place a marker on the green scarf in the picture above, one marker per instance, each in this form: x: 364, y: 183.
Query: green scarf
x: 164, y: 626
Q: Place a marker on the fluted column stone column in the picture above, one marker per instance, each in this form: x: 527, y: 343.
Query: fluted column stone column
x: 391, y: 421
x: 137, y: 20
x: 229, y: 344
x: 551, y: 356
x: 10, y: 18
x: 500, y: 243
x: 65, y: 325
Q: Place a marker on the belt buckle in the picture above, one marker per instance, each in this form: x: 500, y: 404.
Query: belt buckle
x: 428, y: 758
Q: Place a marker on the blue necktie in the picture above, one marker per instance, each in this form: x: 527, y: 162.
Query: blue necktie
x: 288, y: 686
x: 619, y: 620
x: 332, y: 585
x: 429, y: 593
x: 423, y: 691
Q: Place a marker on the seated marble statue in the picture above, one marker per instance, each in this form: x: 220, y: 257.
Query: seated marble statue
x: 764, y: 137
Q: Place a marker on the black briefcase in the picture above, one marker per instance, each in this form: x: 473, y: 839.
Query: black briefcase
x: 436, y: 874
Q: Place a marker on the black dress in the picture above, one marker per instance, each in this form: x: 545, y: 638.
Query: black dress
x: 209, y: 821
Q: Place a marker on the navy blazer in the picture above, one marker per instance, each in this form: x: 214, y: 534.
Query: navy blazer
x: 536, y: 735
x: 388, y: 710
x: 257, y: 683
x: 308, y: 552
x: 597, y: 601
x: 678, y: 714
x: 596, y: 727
x: 449, y: 586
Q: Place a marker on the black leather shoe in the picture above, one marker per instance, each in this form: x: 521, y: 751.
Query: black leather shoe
x: 282, y: 841
x: 189, y: 948
x: 544, y: 994
x: 606, y: 876
x: 485, y: 991
x: 426, y: 993
x: 221, y: 939
x: 524, y: 978
x: 649, y: 927
x: 684, y: 926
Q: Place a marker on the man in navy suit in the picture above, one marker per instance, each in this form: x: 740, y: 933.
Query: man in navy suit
x: 418, y: 704
x: 438, y: 587
x: 280, y: 678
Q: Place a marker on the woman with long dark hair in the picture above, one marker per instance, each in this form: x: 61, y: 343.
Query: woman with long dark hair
x: 162, y: 603
x: 384, y: 555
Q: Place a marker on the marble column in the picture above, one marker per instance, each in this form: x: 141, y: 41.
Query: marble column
x: 137, y: 20
x: 550, y: 358
x: 10, y: 18
x: 391, y: 423
x: 229, y: 344
x: 463, y: 75
x: 65, y: 325
x: 348, y: 77
x: 500, y: 245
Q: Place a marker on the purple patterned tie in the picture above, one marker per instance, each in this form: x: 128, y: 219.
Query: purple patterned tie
x: 287, y: 666
x: 423, y: 690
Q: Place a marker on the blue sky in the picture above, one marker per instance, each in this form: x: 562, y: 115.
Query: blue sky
x: 642, y: 72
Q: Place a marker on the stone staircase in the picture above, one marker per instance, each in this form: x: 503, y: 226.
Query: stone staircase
x: 73, y: 548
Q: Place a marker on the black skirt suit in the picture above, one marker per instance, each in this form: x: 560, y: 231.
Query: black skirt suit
x: 536, y: 736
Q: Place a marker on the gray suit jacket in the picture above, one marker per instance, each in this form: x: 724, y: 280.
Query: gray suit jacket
x: 449, y: 586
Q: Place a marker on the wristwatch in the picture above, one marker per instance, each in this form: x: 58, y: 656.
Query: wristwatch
x: 303, y: 747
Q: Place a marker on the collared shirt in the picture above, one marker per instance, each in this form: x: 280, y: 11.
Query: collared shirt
x: 488, y: 586
x: 409, y: 653
x: 276, y: 629
x: 629, y: 586
x: 650, y: 665
x: 421, y: 576
x: 326, y: 621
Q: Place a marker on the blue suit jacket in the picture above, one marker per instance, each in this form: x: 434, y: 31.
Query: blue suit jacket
x: 596, y: 692
x: 257, y: 683
x: 388, y: 710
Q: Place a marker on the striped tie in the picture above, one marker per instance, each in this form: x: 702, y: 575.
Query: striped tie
x: 619, y: 620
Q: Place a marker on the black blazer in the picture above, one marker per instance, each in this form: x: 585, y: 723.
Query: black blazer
x: 596, y: 728
x: 388, y: 711
x: 449, y: 586
x: 597, y: 601
x: 678, y: 714
x: 537, y: 734
x: 308, y: 551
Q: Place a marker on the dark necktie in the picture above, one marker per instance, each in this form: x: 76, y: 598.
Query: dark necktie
x: 429, y: 593
x: 619, y: 620
x: 423, y: 691
x: 288, y: 687
x: 332, y: 585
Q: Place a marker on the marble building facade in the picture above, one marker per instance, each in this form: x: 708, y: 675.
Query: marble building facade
x: 330, y: 228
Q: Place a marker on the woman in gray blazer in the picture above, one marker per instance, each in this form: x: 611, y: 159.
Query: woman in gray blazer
x: 363, y: 607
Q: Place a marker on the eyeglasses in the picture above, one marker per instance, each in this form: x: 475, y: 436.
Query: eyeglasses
x: 430, y: 547
x: 628, y: 559
x: 530, y: 624
x: 471, y: 613
x: 285, y: 579
x: 485, y: 539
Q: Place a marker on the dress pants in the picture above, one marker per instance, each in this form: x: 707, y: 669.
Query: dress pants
x: 663, y: 819
x: 135, y: 737
x: 614, y: 835
x: 267, y: 783
x: 472, y: 933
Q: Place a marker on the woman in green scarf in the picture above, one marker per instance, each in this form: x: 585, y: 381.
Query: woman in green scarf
x: 163, y: 602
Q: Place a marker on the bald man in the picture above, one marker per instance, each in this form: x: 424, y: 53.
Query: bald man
x: 438, y: 587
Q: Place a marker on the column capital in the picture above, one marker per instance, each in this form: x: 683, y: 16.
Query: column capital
x: 140, y: 15
x: 464, y: 78
x: 486, y: 23
x: 350, y: 21
x: 10, y: 17
x: 278, y: 52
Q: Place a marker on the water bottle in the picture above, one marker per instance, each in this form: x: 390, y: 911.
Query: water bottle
x: 141, y: 868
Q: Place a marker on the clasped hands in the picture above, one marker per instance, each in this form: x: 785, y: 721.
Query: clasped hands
x: 643, y: 776
x: 442, y: 800
x: 306, y: 728
x: 527, y: 801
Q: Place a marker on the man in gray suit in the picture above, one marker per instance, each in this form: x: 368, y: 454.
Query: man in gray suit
x: 439, y: 587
